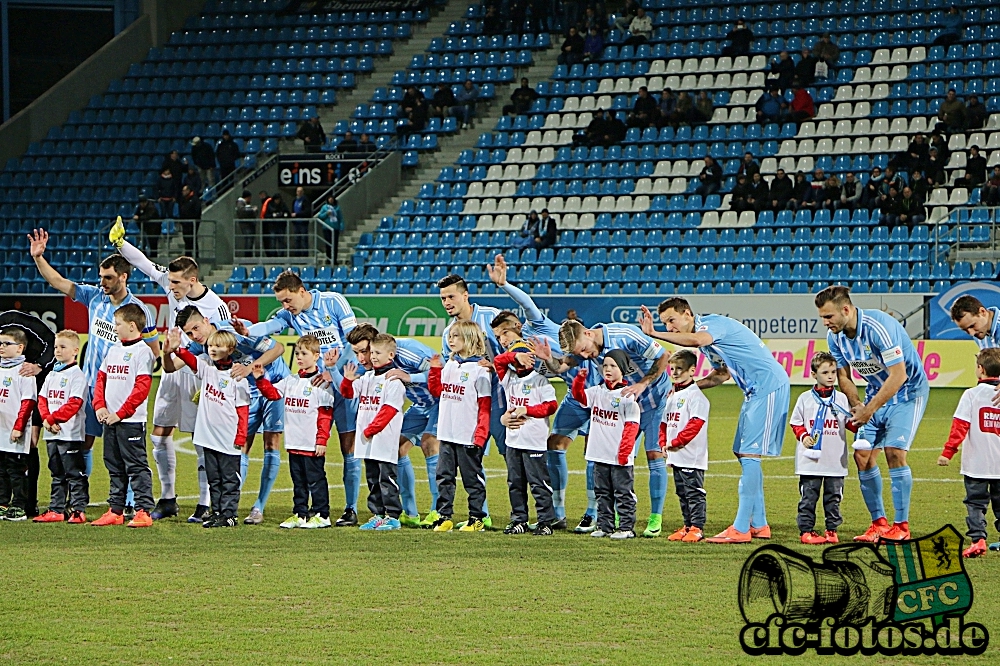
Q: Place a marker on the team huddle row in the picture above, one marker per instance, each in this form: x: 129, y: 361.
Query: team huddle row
x: 225, y: 379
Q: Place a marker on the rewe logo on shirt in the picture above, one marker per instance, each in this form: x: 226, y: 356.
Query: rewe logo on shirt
x: 118, y: 369
x: 369, y: 400
x: 296, y: 402
x: 989, y: 420
x: 673, y: 417
x: 56, y: 395
x: 214, y: 392
x: 518, y: 402
x: 605, y: 414
x: 457, y: 389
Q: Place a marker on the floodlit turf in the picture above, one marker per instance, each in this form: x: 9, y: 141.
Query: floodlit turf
x: 181, y: 594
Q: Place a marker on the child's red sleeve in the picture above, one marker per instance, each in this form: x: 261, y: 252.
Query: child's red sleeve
x: 140, y: 391
x: 190, y: 360
x: 579, y: 390
x: 501, y: 363
x: 23, y: 419
x: 482, y: 432
x: 102, y: 381
x: 543, y: 410
x: 959, y: 431
x: 434, y: 382
x: 662, y: 440
x: 347, y: 388
x: 242, y: 425
x: 381, y: 420
x: 64, y: 413
x: 689, y: 432
x: 629, y: 432
x: 323, y: 422
x: 800, y: 431
x: 267, y: 389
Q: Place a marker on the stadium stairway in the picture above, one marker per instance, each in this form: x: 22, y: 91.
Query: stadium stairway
x: 451, y: 148
x: 442, y: 17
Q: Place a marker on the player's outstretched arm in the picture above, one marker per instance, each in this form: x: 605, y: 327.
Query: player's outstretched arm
x: 39, y: 238
x: 693, y: 339
x: 715, y: 378
x: 135, y: 256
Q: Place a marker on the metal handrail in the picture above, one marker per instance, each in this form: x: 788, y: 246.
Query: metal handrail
x: 261, y: 160
x: 345, y: 181
x: 954, y: 217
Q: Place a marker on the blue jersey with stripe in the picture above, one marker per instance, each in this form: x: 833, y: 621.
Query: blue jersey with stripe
x: 248, y: 350
x: 329, y: 318
x: 879, y: 343
x: 739, y: 350
x: 101, y: 334
x: 644, y: 351
x: 483, y: 316
x: 414, y: 358
x: 992, y: 338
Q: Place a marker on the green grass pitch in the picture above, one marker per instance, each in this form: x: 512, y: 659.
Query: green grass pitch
x: 180, y: 594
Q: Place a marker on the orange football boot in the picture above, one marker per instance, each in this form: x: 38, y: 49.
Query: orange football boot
x: 109, y: 518
x: 730, y: 535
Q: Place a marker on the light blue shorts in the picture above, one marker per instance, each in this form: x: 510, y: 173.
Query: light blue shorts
x: 895, y: 426
x: 419, y: 421
x: 649, y: 428
x: 345, y: 413
x: 761, y: 428
x: 265, y: 416
x: 571, y: 419
x: 92, y: 427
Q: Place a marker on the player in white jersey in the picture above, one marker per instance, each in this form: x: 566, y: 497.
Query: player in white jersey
x: 977, y: 425
x: 101, y: 303
x: 327, y: 316
x: 173, y: 406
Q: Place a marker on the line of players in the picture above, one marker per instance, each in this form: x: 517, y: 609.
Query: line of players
x: 867, y: 342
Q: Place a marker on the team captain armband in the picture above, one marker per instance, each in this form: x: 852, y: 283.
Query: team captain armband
x: 890, y: 355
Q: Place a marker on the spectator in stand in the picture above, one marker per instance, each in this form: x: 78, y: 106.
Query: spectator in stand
x: 301, y: 204
x: 991, y: 191
x: 312, y: 135
x: 442, y: 101
x: 227, y: 154
x: 760, y: 193
x: 301, y: 212
x: 887, y: 206
x: 332, y: 219
x: 366, y: 145
x: 415, y: 121
x: 409, y: 101
x: 148, y: 219
x: 466, y: 100
x: 204, y: 158
x: 348, y: 144
x: 667, y: 107
x: 782, y: 190
x: 975, y: 114
x: 640, y: 29
x: 189, y: 209
x: 740, y: 200
x: 805, y: 71
x: 870, y: 193
x: 908, y: 209
x: 934, y: 171
x: 628, y: 13
x: 965, y: 181
x: 591, y: 21
x: 783, y: 67
x: 826, y: 51
x: 521, y: 100
x: 492, y: 23
x: 749, y: 165
x: 571, y: 12
x: 547, y: 231
x: 518, y: 12
x: 769, y: 107
x: 643, y: 113
x: 850, y: 193
x: 175, y: 165
x: 801, y: 192
x: 952, y: 112
x: 600, y: 132
x: 940, y: 141
x: 684, y: 110
x: 529, y: 229
x: 246, y: 221
x: 891, y: 181
x: 193, y: 180
x: 539, y: 16
x: 740, y: 38
x: 168, y: 189
x: 830, y: 194
x: 952, y: 28
x: 915, y: 156
x: 593, y: 45
x: 976, y: 166
x: 274, y: 231
x: 572, y: 48
x: 704, y: 107
x: 919, y: 186
x: 802, y: 107
x: 615, y: 129
x: 710, y: 178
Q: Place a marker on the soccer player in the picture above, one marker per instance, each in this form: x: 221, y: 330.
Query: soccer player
x: 172, y: 406
x: 410, y: 365
x: 17, y: 400
x: 982, y: 323
x: 101, y: 303
x: 328, y: 316
x: 249, y: 352
x: 123, y: 385
x: 649, y: 383
x: 877, y: 347
x: 734, y: 351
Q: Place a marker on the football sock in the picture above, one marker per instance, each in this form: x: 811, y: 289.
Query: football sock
x: 244, y: 468
x: 129, y: 496
x: 758, y: 515
x: 352, y: 480
x: 432, y: 469
x: 165, y: 457
x: 751, y: 480
x: 591, y: 497
x: 204, y: 498
x: 88, y: 460
x: 871, y: 490
x: 901, y: 482
x: 407, y: 483
x: 657, y: 484
x: 268, y: 475
x: 555, y: 461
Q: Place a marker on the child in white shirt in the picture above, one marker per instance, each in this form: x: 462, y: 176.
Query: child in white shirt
x: 60, y: 408
x: 531, y: 400
x: 977, y: 424
x: 223, y: 417
x: 17, y: 400
x: 380, y: 422
x: 820, y: 421
x: 308, y: 418
x: 614, y: 426
x: 684, y: 441
x: 464, y: 388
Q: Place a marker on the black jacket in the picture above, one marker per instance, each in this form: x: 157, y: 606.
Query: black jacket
x: 227, y: 153
x: 203, y: 155
x: 782, y: 189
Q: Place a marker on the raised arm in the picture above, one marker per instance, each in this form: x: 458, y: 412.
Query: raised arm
x: 715, y: 378
x: 272, y: 326
x: 39, y: 238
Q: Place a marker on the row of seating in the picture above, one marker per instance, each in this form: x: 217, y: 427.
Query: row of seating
x: 683, y: 12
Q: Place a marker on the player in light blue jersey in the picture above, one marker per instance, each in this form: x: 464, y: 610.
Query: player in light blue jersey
x: 734, y: 351
x: 328, y: 316
x: 412, y: 363
x: 979, y: 321
x: 101, y: 303
x: 649, y: 384
x: 269, y: 414
x: 877, y: 347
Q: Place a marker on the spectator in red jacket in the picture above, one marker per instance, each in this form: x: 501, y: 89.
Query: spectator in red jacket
x: 802, y: 107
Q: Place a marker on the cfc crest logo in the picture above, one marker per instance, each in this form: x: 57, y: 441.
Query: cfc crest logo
x: 223, y: 383
x: 378, y: 388
x: 464, y: 377
x: 525, y: 389
x: 63, y: 382
x: 7, y: 381
x: 615, y: 402
x: 680, y: 403
x: 327, y: 319
x: 127, y: 356
x: 307, y: 390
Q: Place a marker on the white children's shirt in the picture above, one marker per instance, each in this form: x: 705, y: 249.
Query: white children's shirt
x: 528, y: 391
x: 13, y: 390
x: 122, y: 365
x: 609, y: 412
x: 217, y: 418
x: 302, y: 403
x: 981, y: 448
x: 462, y: 385
x: 833, y: 460
x: 58, y: 389
x: 372, y: 392
x: 682, y: 406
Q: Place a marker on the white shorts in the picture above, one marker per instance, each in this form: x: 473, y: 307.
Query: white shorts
x: 172, y: 407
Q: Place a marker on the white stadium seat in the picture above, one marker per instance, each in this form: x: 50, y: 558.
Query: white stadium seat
x: 475, y: 190
x: 491, y: 189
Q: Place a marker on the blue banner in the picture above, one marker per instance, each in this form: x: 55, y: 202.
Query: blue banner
x: 941, y: 325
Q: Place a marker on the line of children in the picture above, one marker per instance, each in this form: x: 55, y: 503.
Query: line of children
x: 18, y: 396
